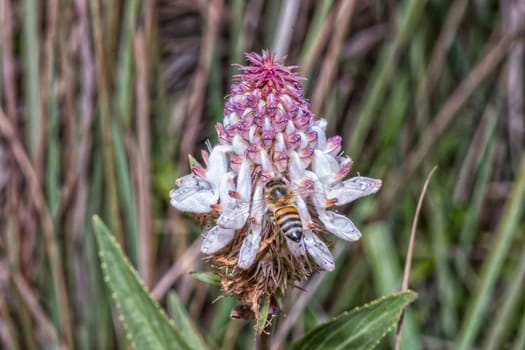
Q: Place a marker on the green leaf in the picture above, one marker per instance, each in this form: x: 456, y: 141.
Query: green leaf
x: 184, y: 323
x: 146, y: 325
x: 265, y: 308
x: 361, y: 328
x: 207, y: 277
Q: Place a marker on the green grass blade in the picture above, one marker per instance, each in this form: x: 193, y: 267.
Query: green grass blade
x: 237, y: 33
x: 124, y: 91
x: 31, y: 73
x: 53, y: 154
x: 221, y: 319
x: 504, y: 234
x: 501, y: 324
x: 485, y: 166
x: 313, y: 37
x: 361, y: 328
x: 447, y: 286
x: 382, y: 76
x: 380, y: 251
x: 519, y: 342
x: 126, y: 192
x: 146, y: 324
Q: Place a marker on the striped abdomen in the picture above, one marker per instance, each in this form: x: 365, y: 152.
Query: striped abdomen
x: 289, y: 222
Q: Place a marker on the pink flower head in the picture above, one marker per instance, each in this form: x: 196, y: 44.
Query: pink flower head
x: 269, y: 137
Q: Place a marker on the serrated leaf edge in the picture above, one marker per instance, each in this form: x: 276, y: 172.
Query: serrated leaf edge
x: 396, y: 320
x: 97, y: 221
x: 368, y: 305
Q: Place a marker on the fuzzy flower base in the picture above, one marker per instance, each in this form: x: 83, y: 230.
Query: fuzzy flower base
x: 268, y: 188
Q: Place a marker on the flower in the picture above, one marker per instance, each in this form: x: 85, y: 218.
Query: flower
x: 269, y: 133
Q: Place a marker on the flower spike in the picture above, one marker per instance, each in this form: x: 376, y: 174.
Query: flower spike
x: 269, y: 187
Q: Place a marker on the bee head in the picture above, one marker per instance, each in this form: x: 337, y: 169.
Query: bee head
x: 276, y: 190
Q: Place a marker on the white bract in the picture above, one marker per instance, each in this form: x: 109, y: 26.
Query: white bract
x: 250, y: 247
x: 216, y: 239
x: 352, y: 189
x: 197, y: 197
x: 318, y: 251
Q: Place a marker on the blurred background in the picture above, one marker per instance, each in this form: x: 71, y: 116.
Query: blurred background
x: 102, y: 101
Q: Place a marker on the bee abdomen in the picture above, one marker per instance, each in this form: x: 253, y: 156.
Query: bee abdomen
x: 289, y: 221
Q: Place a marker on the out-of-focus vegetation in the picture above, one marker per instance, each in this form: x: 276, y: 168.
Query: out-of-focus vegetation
x: 102, y: 101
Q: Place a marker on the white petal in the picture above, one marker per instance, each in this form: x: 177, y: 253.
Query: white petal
x: 352, y: 189
x: 320, y: 127
x: 290, y: 128
x: 217, y: 163
x: 318, y: 251
x: 259, y: 208
x: 247, y: 111
x: 250, y: 247
x: 227, y: 184
x: 319, y: 194
x: 339, y: 225
x: 216, y: 239
x: 304, y: 140
x: 302, y: 208
x: 239, y: 145
x: 234, y: 118
x: 253, y: 136
x: 195, y: 197
x: 279, y: 144
x: 296, y: 168
x: 244, y: 181
x: 234, y: 212
x: 188, y: 180
x: 266, y: 163
x: 267, y: 124
x: 325, y: 166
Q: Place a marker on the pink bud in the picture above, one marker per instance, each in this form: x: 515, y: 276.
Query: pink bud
x: 293, y: 140
x: 312, y: 137
x: 222, y: 134
x: 333, y: 145
x: 281, y: 160
x: 236, y: 161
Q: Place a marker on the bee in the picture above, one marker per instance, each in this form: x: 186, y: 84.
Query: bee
x: 279, y: 198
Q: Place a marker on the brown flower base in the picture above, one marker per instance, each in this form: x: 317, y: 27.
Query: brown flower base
x: 275, y: 270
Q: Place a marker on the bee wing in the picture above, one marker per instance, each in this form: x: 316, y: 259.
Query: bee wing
x: 352, y: 189
x: 216, y: 239
x: 339, y: 225
x: 250, y: 247
x: 296, y: 248
x: 234, y: 216
x: 196, y: 197
x: 318, y: 251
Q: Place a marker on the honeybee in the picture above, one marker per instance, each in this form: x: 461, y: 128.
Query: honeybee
x: 279, y: 198
x: 289, y: 212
